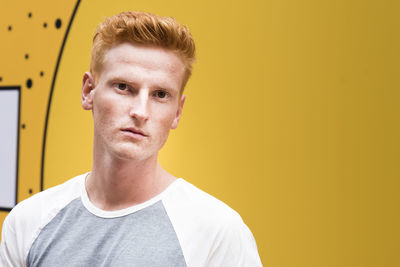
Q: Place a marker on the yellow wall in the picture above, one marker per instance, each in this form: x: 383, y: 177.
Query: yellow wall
x: 291, y: 116
x: 29, y: 47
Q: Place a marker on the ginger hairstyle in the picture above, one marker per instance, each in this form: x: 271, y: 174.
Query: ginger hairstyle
x: 145, y: 29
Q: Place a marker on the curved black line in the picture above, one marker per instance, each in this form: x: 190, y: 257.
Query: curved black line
x: 51, y: 92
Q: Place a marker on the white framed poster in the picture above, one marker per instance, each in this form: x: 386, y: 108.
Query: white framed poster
x: 9, y: 136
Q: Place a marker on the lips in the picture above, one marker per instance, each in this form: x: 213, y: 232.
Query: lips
x: 134, y: 131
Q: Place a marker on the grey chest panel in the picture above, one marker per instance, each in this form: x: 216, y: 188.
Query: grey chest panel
x: 76, y: 237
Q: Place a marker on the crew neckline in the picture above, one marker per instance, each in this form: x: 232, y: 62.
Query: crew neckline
x: 123, y: 212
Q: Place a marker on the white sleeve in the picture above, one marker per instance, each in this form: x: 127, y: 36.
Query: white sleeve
x: 10, y: 253
x: 210, y: 233
x: 234, y: 246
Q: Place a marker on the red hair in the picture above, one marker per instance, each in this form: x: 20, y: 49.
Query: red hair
x: 146, y: 29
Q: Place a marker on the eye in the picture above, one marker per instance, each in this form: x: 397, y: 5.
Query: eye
x: 161, y: 94
x: 122, y: 86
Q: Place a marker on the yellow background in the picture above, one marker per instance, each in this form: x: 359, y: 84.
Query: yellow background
x: 291, y: 117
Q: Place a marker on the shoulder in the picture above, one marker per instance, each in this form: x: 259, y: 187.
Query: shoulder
x: 25, y: 221
x: 210, y: 232
x: 48, y: 200
x: 196, y: 203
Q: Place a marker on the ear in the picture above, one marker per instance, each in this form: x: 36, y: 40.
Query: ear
x: 87, y: 91
x: 178, y: 112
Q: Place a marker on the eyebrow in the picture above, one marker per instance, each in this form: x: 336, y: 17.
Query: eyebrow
x: 121, y: 79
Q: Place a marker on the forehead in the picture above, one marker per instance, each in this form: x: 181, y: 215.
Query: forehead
x: 133, y: 60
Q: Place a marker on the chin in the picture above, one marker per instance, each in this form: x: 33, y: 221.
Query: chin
x: 132, y: 153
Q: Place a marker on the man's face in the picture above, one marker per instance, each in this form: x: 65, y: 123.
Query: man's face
x: 135, y: 100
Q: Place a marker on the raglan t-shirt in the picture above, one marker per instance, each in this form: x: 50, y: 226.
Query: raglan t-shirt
x: 182, y: 226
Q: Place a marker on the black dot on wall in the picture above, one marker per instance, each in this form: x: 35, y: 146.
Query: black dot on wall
x: 44, y: 25
x: 41, y: 74
x: 29, y: 83
x: 58, y: 23
x: 1, y: 79
x: 30, y: 191
x: 30, y: 15
x: 26, y: 56
x: 9, y: 28
x: 23, y: 126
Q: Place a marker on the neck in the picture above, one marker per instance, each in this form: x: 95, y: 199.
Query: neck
x: 116, y: 183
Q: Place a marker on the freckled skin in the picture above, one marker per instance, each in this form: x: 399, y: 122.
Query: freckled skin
x: 138, y: 87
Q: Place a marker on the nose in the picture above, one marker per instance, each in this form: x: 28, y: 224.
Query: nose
x: 139, y: 107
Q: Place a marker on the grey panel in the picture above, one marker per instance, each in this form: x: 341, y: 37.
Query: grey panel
x: 9, y: 124
x: 75, y: 237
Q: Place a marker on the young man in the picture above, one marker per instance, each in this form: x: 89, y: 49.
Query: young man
x: 128, y: 211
